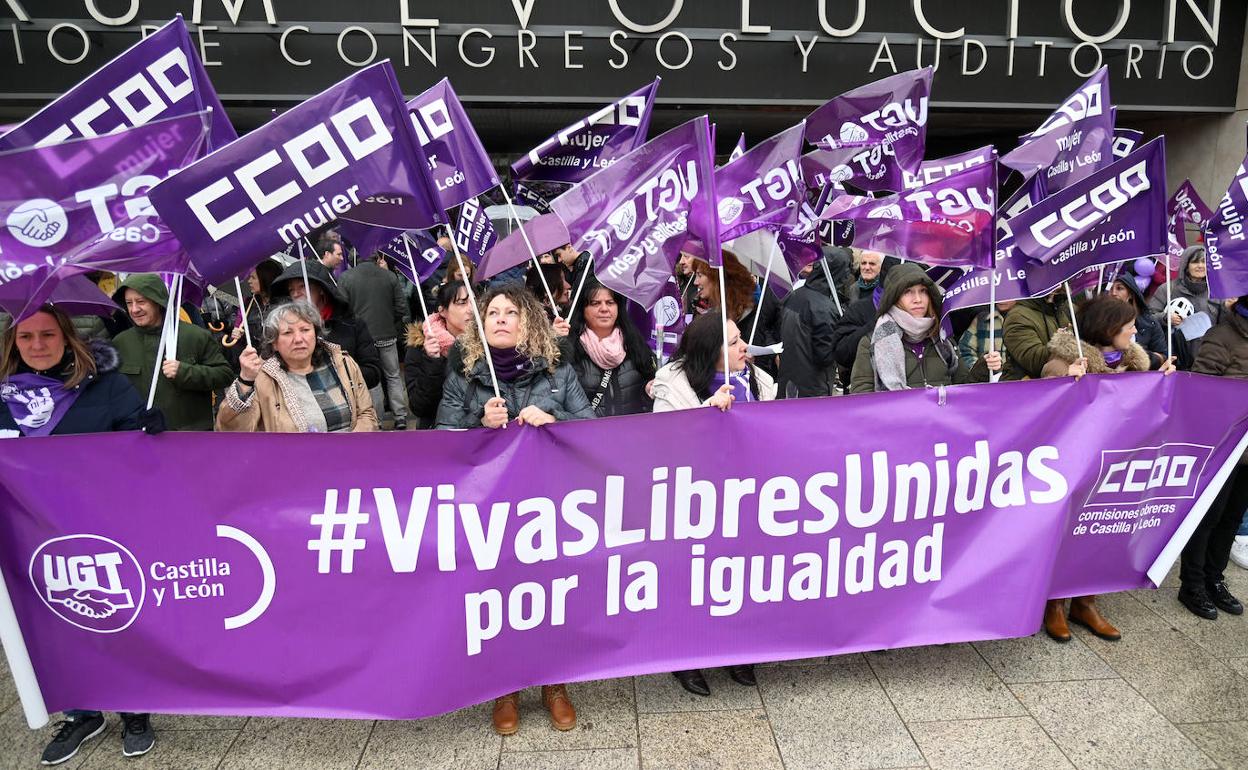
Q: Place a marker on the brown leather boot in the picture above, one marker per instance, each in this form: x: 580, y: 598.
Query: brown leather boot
x: 562, y: 714
x: 1084, y: 612
x: 1055, y: 620
x: 507, y: 714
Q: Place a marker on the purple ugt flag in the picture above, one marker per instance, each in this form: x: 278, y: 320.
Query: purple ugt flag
x: 949, y: 222
x: 1076, y: 139
x: 878, y: 130
x: 1225, y: 243
x: 1115, y: 214
x: 82, y: 205
x: 460, y: 166
x: 159, y: 77
x: 592, y: 143
x: 739, y: 150
x: 350, y: 150
x: 634, y: 216
x: 763, y: 186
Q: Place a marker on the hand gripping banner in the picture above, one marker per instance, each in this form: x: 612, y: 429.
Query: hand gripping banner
x: 384, y: 587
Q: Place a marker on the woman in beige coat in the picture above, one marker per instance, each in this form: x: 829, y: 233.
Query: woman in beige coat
x: 303, y: 384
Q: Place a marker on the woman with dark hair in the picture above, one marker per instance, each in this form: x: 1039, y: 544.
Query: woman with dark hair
x: 693, y: 378
x: 431, y: 348
x: 1107, y: 327
x: 556, y: 277
x: 906, y: 348
x: 302, y: 384
x: 611, y: 358
x: 260, y: 283
x: 537, y: 389
x: 54, y: 384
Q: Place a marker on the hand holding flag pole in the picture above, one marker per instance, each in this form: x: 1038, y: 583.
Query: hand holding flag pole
x: 238, y: 287
x: 476, y: 312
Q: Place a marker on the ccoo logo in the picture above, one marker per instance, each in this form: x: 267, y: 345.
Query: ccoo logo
x: 90, y: 581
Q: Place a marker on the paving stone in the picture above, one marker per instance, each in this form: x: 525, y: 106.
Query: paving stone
x: 1106, y: 724
x: 195, y: 722
x: 605, y: 719
x: 661, y: 692
x: 1225, y: 742
x: 1010, y: 743
x: 8, y: 691
x: 1180, y: 678
x: 942, y: 682
x: 461, y: 740
x: 1226, y: 637
x: 718, y: 740
x: 1127, y: 613
x: 1038, y: 658
x: 292, y: 744
x: 183, y: 749
x: 576, y: 759
x: 21, y: 747
x: 835, y: 716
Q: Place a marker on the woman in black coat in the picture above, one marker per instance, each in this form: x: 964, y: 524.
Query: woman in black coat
x: 431, y: 347
x: 611, y: 358
x: 52, y: 383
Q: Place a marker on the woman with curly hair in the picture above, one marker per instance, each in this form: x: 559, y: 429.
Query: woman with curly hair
x: 740, y: 285
x: 537, y: 389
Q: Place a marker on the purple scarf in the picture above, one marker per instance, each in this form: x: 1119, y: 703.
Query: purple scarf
x: 740, y: 384
x: 1241, y: 308
x: 1113, y: 358
x: 509, y: 364
x: 37, y: 402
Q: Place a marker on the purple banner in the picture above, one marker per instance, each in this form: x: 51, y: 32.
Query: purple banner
x: 948, y: 222
x: 1227, y: 252
x: 474, y: 232
x: 458, y: 163
x: 883, y: 124
x: 537, y: 199
x: 593, y: 143
x: 1076, y: 140
x: 545, y: 233
x: 1125, y: 141
x: 350, y: 149
x: 634, y: 216
x: 161, y: 76
x: 935, y: 170
x: 1113, y: 215
x: 763, y: 186
x: 300, y: 594
x: 82, y: 205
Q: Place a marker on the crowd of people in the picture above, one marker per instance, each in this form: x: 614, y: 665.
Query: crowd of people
x: 337, y: 348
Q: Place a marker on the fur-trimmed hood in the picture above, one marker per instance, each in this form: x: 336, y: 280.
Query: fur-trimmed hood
x: 415, y: 335
x: 1062, y: 346
x: 107, y: 359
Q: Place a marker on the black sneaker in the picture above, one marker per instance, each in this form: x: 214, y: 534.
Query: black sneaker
x: 70, y: 735
x: 1223, y: 598
x: 400, y: 424
x: 1197, y: 600
x: 137, y: 735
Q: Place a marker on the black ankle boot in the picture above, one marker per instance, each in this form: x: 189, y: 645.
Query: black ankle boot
x: 743, y: 675
x: 693, y: 681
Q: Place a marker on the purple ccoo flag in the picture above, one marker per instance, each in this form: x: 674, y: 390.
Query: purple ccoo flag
x: 82, y: 205
x: 949, y: 222
x: 634, y: 216
x: 474, y: 232
x: 159, y: 77
x: 1225, y: 240
x: 1076, y: 140
x: 350, y: 149
x: 934, y: 170
x: 1117, y: 212
x: 762, y: 187
x: 1125, y: 141
x: 460, y: 166
x: 592, y: 143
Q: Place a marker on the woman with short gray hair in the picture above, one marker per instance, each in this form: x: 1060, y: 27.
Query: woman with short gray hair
x: 302, y: 384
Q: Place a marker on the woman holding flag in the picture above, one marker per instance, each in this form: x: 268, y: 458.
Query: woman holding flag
x: 1106, y: 346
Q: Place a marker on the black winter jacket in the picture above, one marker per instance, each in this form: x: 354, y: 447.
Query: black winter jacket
x: 625, y: 392
x: 425, y: 376
x: 808, y: 321
x: 342, y: 328
x: 107, y: 402
x: 558, y: 394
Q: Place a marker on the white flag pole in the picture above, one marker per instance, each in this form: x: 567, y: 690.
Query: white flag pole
x: 758, y: 311
x: 20, y: 667
x: 476, y: 312
x: 823, y: 262
x: 1074, y: 325
x: 723, y: 317
x: 589, y: 268
x: 238, y: 286
x: 532, y: 252
x: 992, y: 311
x: 420, y: 292
x: 1169, y: 313
x: 303, y: 266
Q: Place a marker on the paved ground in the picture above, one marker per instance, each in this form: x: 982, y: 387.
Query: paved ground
x: 1172, y: 694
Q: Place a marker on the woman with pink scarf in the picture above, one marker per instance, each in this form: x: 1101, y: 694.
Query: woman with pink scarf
x: 611, y: 358
x: 429, y: 347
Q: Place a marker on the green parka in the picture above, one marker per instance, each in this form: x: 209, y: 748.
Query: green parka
x: 186, y: 400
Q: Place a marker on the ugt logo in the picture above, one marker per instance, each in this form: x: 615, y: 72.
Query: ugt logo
x: 91, y: 581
